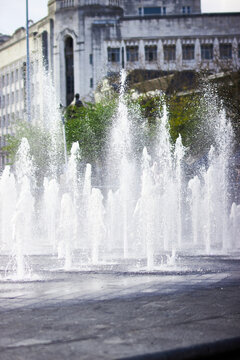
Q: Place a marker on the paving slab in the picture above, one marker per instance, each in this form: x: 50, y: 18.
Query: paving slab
x: 117, y: 313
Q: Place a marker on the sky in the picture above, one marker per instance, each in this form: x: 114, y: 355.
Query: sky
x: 13, y: 12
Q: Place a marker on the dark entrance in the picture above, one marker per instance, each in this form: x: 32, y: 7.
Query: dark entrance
x: 45, y: 49
x: 69, y: 70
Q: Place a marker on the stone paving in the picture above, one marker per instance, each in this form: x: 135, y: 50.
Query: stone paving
x: 116, y: 314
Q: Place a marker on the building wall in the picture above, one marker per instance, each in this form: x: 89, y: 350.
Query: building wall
x: 81, y: 24
x: 167, y: 7
x: 108, y: 35
x: 193, y: 32
x: 13, y: 77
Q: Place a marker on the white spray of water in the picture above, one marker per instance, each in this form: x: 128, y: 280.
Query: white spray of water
x: 96, y: 230
x: 67, y: 229
x: 194, y: 186
x: 122, y: 166
x: 51, y: 210
x: 8, y: 198
x: 145, y: 209
x: 23, y: 227
x: 147, y: 212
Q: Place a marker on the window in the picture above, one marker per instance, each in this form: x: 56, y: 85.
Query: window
x: 164, y: 10
x: 151, y: 53
x: 239, y: 51
x: 12, y: 77
x: 169, y: 52
x: 91, y: 82
x: 188, y: 51
x: 45, y: 49
x: 132, y: 53
x: 152, y: 10
x: 140, y: 11
x: 7, y: 79
x: 12, y: 98
x: 90, y: 59
x: 16, y: 75
x: 3, y: 81
x: 24, y: 69
x: 207, y: 51
x: 114, y: 55
x: 225, y: 51
x: 123, y: 65
x: 188, y: 9
x: 183, y: 10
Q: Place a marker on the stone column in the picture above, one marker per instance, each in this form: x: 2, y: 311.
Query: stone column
x: 179, y: 55
x: 160, y: 55
x: 141, y: 54
x: 235, y: 54
x: 216, y: 55
x: 100, y: 58
x: 197, y: 54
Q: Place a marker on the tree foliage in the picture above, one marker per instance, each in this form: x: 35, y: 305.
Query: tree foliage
x: 38, y: 139
x: 183, y: 112
x: 89, y: 126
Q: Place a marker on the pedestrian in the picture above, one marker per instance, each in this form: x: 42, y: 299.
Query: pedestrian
x: 78, y: 102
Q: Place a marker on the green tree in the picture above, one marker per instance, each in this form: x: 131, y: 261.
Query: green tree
x: 89, y: 126
x: 39, y: 140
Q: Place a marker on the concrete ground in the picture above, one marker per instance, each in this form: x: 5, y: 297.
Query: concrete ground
x: 188, y: 311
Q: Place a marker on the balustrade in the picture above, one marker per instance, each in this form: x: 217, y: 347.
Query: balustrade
x: 71, y: 3
x: 66, y: 3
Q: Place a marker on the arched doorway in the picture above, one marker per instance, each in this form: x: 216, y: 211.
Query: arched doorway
x: 69, y: 66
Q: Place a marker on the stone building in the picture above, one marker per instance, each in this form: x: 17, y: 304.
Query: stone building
x: 82, y: 41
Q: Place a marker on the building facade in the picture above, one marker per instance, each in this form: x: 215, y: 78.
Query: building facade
x: 81, y: 41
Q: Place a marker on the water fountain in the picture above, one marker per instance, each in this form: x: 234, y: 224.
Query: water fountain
x: 122, y: 165
x: 151, y: 214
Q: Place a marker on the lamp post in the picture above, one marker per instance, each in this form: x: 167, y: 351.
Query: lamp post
x: 28, y: 67
x: 64, y: 136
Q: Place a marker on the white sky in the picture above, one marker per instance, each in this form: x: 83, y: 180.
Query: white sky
x: 12, y: 12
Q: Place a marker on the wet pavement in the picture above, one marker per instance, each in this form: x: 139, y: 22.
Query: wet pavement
x: 113, y: 312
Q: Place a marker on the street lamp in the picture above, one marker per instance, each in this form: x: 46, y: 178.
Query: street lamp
x: 28, y: 67
x: 64, y: 135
